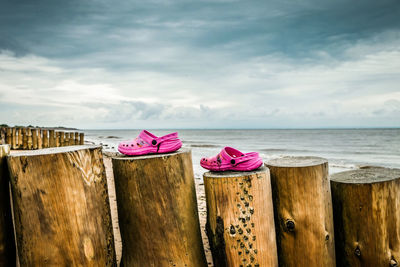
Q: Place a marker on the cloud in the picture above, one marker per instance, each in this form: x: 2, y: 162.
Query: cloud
x: 200, y: 64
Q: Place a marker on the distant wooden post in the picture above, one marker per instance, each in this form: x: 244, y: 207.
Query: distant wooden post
x: 303, y: 211
x: 45, y: 139
x: 66, y: 139
x: 8, y: 136
x: 35, y: 138
x: 76, y: 138
x: 71, y: 139
x: 62, y: 142
x: 20, y: 138
x: 30, y: 139
x: 40, y: 138
x: 57, y: 139
x: 52, y: 138
x: 25, y: 138
x: 7, y: 244
x: 81, y: 139
x: 157, y: 210
x: 240, y: 218
x: 367, y: 217
x: 14, y: 138
x: 61, y: 207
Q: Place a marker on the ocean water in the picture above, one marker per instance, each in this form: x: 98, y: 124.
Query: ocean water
x: 345, y: 149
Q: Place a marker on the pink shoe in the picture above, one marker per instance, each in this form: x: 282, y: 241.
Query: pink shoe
x: 230, y: 159
x: 148, y: 143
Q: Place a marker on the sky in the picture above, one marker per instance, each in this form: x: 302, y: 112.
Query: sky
x: 200, y: 64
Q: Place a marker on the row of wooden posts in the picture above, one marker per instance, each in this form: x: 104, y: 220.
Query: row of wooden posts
x: 28, y: 138
x: 283, y: 214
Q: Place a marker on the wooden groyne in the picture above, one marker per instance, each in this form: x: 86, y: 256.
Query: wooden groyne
x: 28, y: 138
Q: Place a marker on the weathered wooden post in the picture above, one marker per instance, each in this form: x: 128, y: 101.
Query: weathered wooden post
x: 52, y: 138
x: 8, y: 136
x: 40, y: 139
x: 81, y: 139
x: 303, y: 211
x: 76, y: 139
x: 25, y: 138
x: 20, y: 138
x: 240, y: 218
x: 366, y: 209
x: 62, y: 139
x: 61, y: 207
x: 35, y: 138
x: 30, y: 139
x: 45, y: 139
x: 57, y: 134
x: 157, y: 210
x: 2, y: 137
x: 66, y: 139
x: 14, y: 138
x: 7, y: 244
x: 71, y: 139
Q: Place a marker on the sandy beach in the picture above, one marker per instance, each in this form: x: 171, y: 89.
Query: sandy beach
x: 201, y: 203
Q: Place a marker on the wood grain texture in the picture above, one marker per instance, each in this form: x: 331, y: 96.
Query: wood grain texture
x: 240, y: 219
x: 45, y: 139
x: 366, y: 205
x: 61, y: 207
x: 35, y: 139
x: 52, y: 138
x: 157, y: 210
x: 7, y: 244
x: 303, y: 211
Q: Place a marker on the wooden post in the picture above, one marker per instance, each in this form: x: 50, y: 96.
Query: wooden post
x: 2, y: 136
x: 76, y: 139
x: 8, y: 136
x: 240, y: 218
x: 35, y: 138
x: 81, y: 139
x: 25, y: 138
x: 14, y: 138
x: 7, y: 243
x: 57, y: 139
x: 303, y: 211
x: 40, y: 139
x: 52, y: 138
x: 30, y: 139
x: 61, y: 207
x: 62, y: 142
x: 45, y: 139
x: 367, y: 217
x: 20, y: 138
x: 71, y: 139
x: 66, y: 140
x: 157, y: 210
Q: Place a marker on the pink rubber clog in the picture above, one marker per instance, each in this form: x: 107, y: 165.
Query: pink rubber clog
x: 148, y: 143
x: 230, y: 159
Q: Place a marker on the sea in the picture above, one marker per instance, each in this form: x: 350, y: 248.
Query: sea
x: 345, y: 149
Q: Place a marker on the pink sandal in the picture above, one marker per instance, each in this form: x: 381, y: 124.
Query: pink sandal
x: 230, y: 159
x: 148, y: 143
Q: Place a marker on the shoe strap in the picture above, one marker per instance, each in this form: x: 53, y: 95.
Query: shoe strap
x: 154, y: 140
x: 244, y: 158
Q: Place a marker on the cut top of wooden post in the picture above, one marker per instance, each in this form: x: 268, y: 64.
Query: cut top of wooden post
x: 291, y: 162
x: 234, y: 174
x: 52, y: 150
x: 366, y: 176
x: 150, y: 156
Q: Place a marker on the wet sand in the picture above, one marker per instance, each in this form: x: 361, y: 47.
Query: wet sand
x: 201, y: 203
